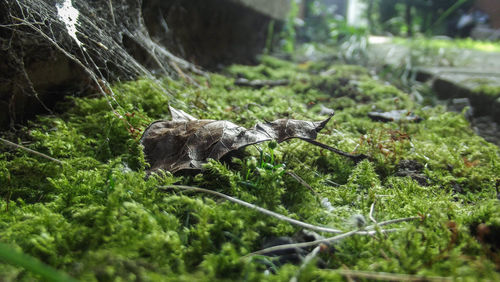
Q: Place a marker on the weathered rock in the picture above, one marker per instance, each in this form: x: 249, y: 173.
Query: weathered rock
x: 479, y: 84
x: 210, y: 33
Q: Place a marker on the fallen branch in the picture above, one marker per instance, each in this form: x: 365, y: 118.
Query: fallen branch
x: 356, y: 158
x: 302, y: 181
x: 392, y: 221
x: 317, y: 242
x: 303, y: 245
x: 367, y: 230
x: 258, y: 83
x: 372, y: 209
x: 17, y: 146
x: 252, y: 206
x: 307, y: 260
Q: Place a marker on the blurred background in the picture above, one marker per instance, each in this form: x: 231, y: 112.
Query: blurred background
x: 413, y: 44
x: 478, y: 19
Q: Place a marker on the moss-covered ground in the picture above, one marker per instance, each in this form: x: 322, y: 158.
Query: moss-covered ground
x: 466, y: 43
x: 97, y: 217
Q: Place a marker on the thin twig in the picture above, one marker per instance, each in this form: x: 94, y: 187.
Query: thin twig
x: 355, y: 158
x: 302, y: 245
x: 306, y: 261
x: 331, y: 182
x: 252, y: 206
x: 338, y: 237
x: 389, y: 276
x: 368, y: 229
x: 301, y: 181
x: 348, y: 277
x: 316, y: 242
x: 392, y: 221
x: 17, y: 146
x: 260, y: 83
x: 372, y: 209
x: 110, y: 3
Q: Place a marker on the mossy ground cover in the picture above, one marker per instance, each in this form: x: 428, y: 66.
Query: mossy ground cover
x: 466, y: 43
x: 487, y: 88
x: 97, y: 217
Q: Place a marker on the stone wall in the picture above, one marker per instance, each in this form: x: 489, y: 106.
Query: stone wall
x: 276, y: 9
x: 492, y: 8
x: 215, y: 32
x: 41, y: 61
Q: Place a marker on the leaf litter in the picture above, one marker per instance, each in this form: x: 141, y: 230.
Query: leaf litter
x: 186, y: 142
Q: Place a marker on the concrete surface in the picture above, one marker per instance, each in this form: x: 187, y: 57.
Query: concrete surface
x: 455, y: 74
x: 276, y: 9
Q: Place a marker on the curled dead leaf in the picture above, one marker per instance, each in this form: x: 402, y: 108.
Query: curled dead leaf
x: 186, y: 142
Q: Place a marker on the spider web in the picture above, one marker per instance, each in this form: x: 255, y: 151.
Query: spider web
x: 104, y: 40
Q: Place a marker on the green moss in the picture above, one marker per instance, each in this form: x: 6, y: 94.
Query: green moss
x: 466, y: 43
x: 486, y: 87
x: 97, y: 216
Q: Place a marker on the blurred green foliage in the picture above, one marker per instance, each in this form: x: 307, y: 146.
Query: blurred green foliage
x: 411, y: 16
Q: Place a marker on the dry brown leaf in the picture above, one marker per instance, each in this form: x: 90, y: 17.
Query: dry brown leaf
x: 186, y: 142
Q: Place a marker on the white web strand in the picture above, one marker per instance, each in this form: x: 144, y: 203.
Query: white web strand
x: 93, y: 39
x: 69, y: 16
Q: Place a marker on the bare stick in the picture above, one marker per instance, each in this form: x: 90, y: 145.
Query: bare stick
x: 316, y: 242
x: 301, y: 181
x: 338, y: 237
x: 355, y: 158
x: 17, y: 146
x: 260, y: 83
x: 288, y: 219
x: 392, y: 221
x: 307, y: 260
x: 295, y: 222
x: 252, y: 206
x: 110, y: 3
x: 302, y: 245
x: 348, y: 278
x: 389, y: 276
x: 372, y: 208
